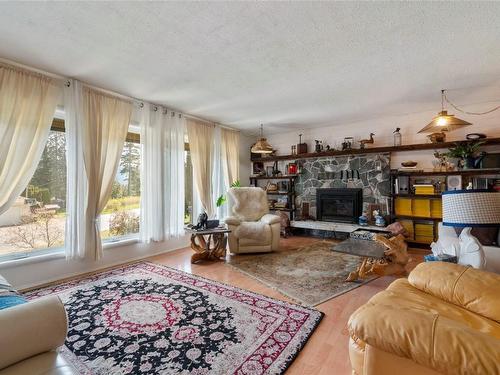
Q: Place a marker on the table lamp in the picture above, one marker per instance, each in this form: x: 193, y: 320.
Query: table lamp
x: 478, y: 208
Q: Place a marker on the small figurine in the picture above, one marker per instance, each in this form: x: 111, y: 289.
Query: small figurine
x: 202, y: 221
x: 319, y: 146
x: 379, y: 220
x: 364, y: 142
x: 363, y: 219
x: 347, y: 144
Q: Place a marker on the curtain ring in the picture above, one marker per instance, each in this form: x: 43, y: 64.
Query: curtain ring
x: 165, y: 111
x: 141, y: 105
x: 155, y: 108
x: 173, y: 114
x: 68, y: 83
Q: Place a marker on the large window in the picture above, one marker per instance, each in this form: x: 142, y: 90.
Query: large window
x: 120, y: 217
x: 36, y: 220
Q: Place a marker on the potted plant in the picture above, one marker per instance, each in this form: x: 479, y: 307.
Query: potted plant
x: 222, y: 199
x: 468, y: 154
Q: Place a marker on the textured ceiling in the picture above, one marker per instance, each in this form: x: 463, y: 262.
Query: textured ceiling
x: 288, y: 65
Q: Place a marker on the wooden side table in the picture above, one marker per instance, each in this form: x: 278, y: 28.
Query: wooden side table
x: 211, y: 248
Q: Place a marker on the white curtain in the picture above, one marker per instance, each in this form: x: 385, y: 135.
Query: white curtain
x: 106, y: 122
x: 220, y: 182
x: 175, y: 184
x: 27, y: 105
x: 230, y: 146
x: 76, y: 189
x: 162, y: 175
x: 201, y: 144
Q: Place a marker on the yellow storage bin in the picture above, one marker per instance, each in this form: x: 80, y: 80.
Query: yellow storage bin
x: 402, y: 206
x: 421, y: 207
x: 424, y: 189
x: 424, y: 230
x: 436, y: 208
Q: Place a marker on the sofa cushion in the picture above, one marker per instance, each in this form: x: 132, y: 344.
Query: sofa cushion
x: 426, y: 338
x: 9, y: 296
x: 257, y: 231
x: 475, y: 290
x: 403, y: 295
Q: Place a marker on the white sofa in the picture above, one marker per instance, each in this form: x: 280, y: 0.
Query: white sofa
x: 253, y: 229
x: 448, y: 240
x: 30, y: 334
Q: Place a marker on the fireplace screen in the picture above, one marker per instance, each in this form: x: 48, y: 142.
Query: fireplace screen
x: 342, y: 205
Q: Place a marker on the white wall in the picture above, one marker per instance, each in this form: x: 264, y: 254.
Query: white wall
x: 32, y: 271
x: 245, y: 166
x: 383, y: 127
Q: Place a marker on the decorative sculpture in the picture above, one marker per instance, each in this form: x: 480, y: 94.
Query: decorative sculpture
x: 364, y: 142
x: 202, y: 221
x: 471, y: 251
x: 394, y: 262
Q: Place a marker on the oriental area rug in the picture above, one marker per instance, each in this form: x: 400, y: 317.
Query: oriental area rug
x: 147, y: 318
x: 309, y: 275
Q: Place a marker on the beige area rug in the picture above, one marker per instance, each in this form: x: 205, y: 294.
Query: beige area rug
x: 309, y: 275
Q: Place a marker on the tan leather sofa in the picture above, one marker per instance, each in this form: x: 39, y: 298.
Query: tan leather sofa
x: 443, y: 319
x: 253, y: 229
x: 30, y: 333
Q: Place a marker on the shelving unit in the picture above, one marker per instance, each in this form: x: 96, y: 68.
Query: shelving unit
x: 374, y: 150
x: 423, y: 228
x: 290, y: 193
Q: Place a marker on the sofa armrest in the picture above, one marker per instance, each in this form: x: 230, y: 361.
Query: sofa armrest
x: 231, y: 220
x: 270, y: 219
x: 445, y: 345
x: 475, y: 290
x: 31, y: 328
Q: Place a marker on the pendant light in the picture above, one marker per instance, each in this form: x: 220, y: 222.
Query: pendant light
x: 262, y: 146
x: 443, y: 122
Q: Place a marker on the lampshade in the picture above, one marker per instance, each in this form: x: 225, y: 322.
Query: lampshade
x: 262, y: 146
x: 444, y: 122
x: 471, y: 208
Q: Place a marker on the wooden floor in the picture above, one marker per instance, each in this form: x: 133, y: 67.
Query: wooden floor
x: 326, y: 352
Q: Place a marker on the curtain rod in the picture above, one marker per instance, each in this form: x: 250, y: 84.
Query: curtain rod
x: 65, y: 81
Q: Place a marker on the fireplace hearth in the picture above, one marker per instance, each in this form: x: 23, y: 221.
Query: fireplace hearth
x: 339, y: 204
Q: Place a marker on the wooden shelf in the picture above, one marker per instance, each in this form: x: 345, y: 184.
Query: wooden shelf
x: 411, y: 217
x: 278, y: 193
x: 287, y: 177
x: 463, y: 172
x: 431, y: 196
x: 374, y: 150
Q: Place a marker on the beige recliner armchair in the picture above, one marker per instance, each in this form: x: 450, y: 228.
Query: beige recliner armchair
x: 253, y: 229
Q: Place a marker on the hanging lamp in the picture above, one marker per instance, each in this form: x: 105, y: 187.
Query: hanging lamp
x: 262, y: 146
x: 442, y: 123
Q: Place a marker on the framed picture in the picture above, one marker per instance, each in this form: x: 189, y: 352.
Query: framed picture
x: 454, y: 182
x: 257, y: 167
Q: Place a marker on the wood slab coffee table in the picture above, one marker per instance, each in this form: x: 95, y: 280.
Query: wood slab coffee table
x: 366, y: 249
x: 213, y: 247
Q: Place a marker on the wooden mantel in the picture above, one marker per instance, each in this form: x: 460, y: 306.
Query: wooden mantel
x: 373, y: 150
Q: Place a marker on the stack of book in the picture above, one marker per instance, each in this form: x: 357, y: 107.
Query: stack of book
x: 423, y: 188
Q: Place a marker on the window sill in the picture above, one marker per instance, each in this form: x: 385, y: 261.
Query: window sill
x: 109, y: 244
x: 59, y: 253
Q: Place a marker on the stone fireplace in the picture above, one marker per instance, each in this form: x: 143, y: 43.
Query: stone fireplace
x: 372, y: 177
x: 339, y: 204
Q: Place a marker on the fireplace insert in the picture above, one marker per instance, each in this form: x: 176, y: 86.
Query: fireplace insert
x: 343, y: 205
